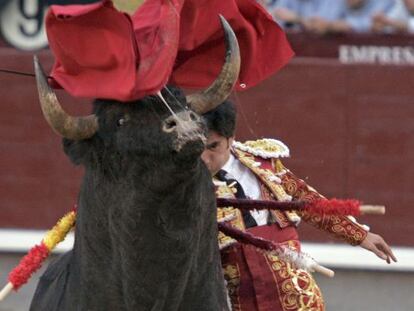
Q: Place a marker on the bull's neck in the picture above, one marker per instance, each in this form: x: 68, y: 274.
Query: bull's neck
x: 122, y: 221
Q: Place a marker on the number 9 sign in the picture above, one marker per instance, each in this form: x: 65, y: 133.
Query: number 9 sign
x: 22, y: 24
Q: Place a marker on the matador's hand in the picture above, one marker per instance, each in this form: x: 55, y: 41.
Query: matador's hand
x: 376, y: 244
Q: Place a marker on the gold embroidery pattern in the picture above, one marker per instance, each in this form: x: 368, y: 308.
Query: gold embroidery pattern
x: 290, y: 185
x: 232, y: 277
x: 297, y: 288
x: 266, y: 148
x: 265, y: 175
x: 224, y: 191
x: 276, y: 216
x: 278, y: 166
x: 340, y: 226
x: 237, y: 222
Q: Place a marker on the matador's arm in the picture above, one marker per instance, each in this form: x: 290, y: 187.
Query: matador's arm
x: 341, y: 227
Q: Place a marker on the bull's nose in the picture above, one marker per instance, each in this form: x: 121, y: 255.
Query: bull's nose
x: 184, y: 120
x: 170, y: 124
x: 186, y: 126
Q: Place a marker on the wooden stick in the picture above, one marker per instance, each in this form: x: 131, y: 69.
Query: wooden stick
x: 323, y: 270
x: 249, y: 204
x: 372, y: 209
x: 6, y: 290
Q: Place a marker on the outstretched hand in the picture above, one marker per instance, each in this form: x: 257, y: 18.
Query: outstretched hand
x: 376, y: 244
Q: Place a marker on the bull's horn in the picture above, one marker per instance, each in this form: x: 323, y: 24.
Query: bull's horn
x: 221, y: 88
x: 75, y: 128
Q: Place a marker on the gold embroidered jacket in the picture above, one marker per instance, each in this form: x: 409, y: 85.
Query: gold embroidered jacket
x: 262, y: 157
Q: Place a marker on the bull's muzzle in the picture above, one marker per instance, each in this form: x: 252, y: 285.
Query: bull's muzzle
x: 186, y: 127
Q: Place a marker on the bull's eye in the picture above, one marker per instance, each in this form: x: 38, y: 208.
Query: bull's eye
x: 120, y: 122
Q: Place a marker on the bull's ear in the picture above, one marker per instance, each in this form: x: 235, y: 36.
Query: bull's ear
x: 78, y: 151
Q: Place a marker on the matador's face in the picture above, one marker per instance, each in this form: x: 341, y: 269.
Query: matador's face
x: 217, y: 151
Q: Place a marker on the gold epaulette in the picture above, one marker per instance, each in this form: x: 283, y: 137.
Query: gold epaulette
x: 265, y: 148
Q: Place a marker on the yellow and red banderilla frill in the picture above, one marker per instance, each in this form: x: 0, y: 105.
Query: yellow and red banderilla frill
x: 37, y: 254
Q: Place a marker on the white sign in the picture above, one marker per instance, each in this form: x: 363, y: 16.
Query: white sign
x: 22, y: 24
x: 384, y: 55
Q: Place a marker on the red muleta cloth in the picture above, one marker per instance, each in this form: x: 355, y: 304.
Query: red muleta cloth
x: 103, y: 53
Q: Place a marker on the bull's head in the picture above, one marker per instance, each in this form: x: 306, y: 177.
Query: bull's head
x: 126, y: 126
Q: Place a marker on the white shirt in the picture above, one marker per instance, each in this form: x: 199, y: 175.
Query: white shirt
x: 250, y: 185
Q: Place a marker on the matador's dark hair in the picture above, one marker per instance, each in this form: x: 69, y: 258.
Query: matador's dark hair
x: 222, y: 119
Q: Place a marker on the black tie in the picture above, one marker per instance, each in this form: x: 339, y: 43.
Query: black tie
x: 222, y: 175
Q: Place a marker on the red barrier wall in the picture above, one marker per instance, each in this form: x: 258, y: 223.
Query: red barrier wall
x: 37, y: 181
x: 349, y: 128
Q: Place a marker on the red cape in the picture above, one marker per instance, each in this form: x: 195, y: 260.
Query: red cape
x: 103, y: 53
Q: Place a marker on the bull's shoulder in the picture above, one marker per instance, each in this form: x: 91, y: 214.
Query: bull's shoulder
x: 266, y: 148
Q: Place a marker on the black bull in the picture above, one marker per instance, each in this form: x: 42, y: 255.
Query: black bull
x: 146, y: 231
